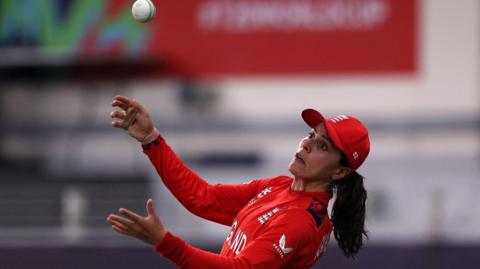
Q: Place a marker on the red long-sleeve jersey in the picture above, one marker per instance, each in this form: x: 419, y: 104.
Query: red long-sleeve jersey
x: 272, y: 225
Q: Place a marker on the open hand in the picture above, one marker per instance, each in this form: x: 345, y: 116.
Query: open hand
x: 149, y: 229
x: 134, y: 118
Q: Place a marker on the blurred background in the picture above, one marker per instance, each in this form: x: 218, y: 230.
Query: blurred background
x: 225, y: 82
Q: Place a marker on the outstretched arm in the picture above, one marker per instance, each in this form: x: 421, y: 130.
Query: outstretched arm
x: 218, y: 202
x: 288, y: 236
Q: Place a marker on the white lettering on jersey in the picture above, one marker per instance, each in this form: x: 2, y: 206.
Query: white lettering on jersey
x: 234, y: 227
x: 261, y: 194
x: 263, y: 218
x: 338, y: 118
x: 323, y: 246
x: 236, y: 239
x: 280, y: 248
x: 264, y: 192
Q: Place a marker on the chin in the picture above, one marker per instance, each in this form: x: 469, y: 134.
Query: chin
x: 292, y: 169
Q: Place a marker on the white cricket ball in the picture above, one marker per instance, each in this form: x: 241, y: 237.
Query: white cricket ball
x: 143, y: 10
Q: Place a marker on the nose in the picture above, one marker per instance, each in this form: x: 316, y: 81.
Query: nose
x: 306, y: 144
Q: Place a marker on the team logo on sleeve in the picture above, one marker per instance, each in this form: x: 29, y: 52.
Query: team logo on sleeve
x: 281, y: 249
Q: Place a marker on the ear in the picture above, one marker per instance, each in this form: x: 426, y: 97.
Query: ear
x: 341, y: 172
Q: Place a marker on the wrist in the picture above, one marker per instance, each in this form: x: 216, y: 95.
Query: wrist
x: 164, y: 241
x: 150, y: 137
x: 162, y: 235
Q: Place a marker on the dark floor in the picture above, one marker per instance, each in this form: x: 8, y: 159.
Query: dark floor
x: 381, y: 257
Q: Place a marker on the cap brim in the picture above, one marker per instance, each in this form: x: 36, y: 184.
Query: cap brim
x: 312, y: 117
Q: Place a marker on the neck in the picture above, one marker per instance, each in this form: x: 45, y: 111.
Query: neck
x: 300, y: 184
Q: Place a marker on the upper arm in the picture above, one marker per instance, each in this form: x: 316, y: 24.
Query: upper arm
x: 215, y: 202
x: 222, y: 202
x: 237, y: 196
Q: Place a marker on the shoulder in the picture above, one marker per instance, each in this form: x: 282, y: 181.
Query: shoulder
x: 294, y: 218
x: 274, y: 181
x: 295, y: 225
x: 318, y: 210
x: 312, y: 211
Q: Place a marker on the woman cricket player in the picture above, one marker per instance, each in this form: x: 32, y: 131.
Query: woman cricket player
x: 279, y: 222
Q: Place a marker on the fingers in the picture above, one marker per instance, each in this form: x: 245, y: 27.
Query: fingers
x: 130, y: 117
x: 122, y: 114
x: 125, y: 101
x: 120, y: 104
x: 129, y: 107
x: 126, y: 226
x: 116, y: 223
x: 120, y: 230
x: 117, y: 124
x: 131, y: 215
x: 118, y: 114
x: 122, y: 99
x: 122, y: 222
x: 121, y: 225
x: 150, y: 208
x: 121, y: 124
x: 127, y: 118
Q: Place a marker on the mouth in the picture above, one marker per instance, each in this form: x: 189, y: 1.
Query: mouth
x: 298, y: 158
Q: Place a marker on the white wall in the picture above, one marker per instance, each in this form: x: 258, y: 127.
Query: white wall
x: 446, y: 84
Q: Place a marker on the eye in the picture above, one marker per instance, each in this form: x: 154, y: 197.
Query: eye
x: 322, y: 145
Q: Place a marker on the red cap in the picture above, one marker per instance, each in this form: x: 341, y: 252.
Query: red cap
x: 348, y: 134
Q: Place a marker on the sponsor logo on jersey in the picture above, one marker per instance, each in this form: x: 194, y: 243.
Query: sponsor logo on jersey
x: 281, y: 249
x: 237, y: 239
x: 261, y: 194
x: 263, y: 218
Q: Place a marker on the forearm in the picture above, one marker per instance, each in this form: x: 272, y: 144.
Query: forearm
x: 186, y: 256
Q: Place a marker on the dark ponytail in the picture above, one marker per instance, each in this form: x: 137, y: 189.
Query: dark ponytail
x: 348, y: 213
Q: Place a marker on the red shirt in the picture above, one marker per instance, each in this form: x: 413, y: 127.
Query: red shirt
x: 272, y: 225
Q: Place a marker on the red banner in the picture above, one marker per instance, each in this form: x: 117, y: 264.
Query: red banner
x: 252, y: 37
